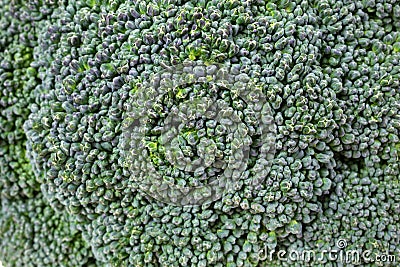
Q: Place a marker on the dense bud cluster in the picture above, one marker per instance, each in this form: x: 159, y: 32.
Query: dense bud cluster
x: 17, y: 80
x: 187, y: 133
x: 117, y: 140
x: 31, y: 232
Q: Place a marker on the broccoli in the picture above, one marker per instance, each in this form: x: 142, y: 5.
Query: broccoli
x: 200, y: 133
x: 18, y: 80
x: 31, y: 232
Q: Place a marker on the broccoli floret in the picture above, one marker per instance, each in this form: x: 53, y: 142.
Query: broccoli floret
x: 201, y: 133
x: 32, y: 234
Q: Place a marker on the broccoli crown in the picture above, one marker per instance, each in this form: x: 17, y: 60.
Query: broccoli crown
x: 31, y: 232
x: 304, y: 130
x: 17, y: 79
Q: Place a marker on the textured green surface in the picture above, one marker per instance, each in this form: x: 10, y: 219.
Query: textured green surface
x: 71, y: 71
